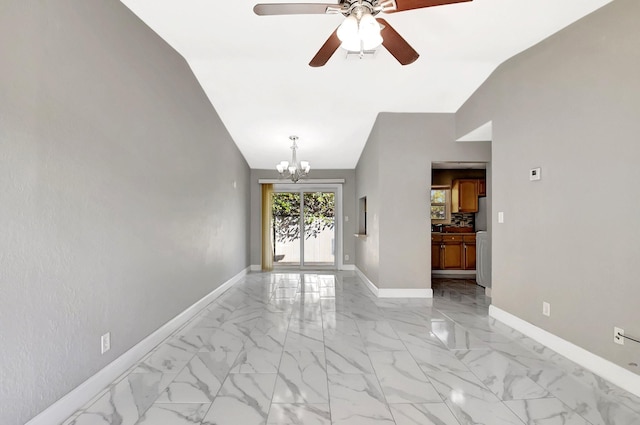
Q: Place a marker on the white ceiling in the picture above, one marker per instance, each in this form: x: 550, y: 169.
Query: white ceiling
x: 255, y: 68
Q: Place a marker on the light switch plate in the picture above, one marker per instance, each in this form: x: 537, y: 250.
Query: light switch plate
x: 105, y: 343
x: 500, y: 217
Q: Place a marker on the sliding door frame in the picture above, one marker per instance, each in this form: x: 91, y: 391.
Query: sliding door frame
x: 317, y: 187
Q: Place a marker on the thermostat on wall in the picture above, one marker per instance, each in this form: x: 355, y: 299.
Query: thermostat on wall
x: 534, y: 174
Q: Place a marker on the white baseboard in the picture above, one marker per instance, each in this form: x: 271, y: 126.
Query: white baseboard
x: 613, y: 373
x: 255, y: 267
x: 83, y: 393
x: 348, y: 267
x: 372, y: 287
x: 394, y: 292
x: 405, y: 293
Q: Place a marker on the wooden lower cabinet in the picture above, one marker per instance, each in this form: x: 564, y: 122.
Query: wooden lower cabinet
x: 436, y: 249
x: 435, y: 253
x: 469, y: 248
x: 453, y: 252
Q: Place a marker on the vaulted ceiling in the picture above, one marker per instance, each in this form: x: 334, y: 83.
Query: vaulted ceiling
x: 255, y: 68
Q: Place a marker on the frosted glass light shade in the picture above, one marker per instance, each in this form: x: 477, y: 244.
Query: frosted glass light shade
x: 348, y: 30
x: 352, y: 45
x: 369, y: 32
x: 368, y: 26
x: 372, y: 42
x: 359, y: 35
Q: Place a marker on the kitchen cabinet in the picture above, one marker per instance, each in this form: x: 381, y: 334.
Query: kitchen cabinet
x: 436, y: 242
x: 464, y: 196
x: 453, y: 252
x: 482, y: 188
x: 469, y: 252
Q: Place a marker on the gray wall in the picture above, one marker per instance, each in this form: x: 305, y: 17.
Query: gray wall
x: 119, y: 208
x: 368, y: 185
x: 569, y: 105
x: 348, y: 209
x: 403, y: 146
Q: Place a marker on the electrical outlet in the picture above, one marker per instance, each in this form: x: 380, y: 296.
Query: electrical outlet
x: 500, y: 217
x: 105, y: 342
x: 346, y: 257
x: 346, y: 218
x: 534, y: 174
x: 546, y: 308
x: 616, y: 336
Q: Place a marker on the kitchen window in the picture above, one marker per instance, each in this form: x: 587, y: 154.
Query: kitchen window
x: 440, y: 204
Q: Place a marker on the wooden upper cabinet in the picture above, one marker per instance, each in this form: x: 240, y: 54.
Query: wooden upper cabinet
x: 482, y: 187
x: 464, y: 195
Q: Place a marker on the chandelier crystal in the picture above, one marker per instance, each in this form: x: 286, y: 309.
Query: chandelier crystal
x: 293, y: 170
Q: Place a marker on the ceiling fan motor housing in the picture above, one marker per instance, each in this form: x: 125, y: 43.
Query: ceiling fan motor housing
x: 358, y: 7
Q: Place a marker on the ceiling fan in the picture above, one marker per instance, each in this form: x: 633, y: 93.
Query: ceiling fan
x: 360, y: 31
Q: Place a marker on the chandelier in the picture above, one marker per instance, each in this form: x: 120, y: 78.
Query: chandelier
x: 293, y: 170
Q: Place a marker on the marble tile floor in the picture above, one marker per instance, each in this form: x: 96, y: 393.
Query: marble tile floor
x: 319, y: 348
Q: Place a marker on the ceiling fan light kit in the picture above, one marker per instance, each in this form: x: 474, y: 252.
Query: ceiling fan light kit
x: 360, y: 31
x: 293, y: 170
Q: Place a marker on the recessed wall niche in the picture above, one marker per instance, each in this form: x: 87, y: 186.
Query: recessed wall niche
x: 362, y: 216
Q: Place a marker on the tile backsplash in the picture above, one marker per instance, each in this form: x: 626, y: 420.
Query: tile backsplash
x: 462, y: 220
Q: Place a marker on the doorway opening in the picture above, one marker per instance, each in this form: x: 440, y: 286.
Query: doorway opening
x: 460, y: 212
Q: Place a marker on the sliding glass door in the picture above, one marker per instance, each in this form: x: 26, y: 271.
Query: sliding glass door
x: 304, y: 228
x: 319, y: 243
x: 286, y: 228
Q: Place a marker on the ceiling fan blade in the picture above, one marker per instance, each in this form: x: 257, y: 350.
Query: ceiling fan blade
x: 326, y: 51
x: 419, y: 4
x: 396, y: 45
x: 295, y: 8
